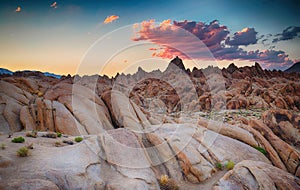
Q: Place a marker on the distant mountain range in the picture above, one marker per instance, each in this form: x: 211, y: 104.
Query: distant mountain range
x: 51, y: 75
x: 5, y: 72
x: 177, y: 62
x: 8, y: 72
x: 294, y: 68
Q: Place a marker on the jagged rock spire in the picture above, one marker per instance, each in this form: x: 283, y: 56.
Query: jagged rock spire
x: 176, y: 63
x: 231, y: 68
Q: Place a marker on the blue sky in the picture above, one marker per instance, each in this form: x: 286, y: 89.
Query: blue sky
x: 56, y: 39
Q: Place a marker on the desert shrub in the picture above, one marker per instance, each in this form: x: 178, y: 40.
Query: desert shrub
x: 78, y: 139
x: 164, y: 179
x: 229, y: 165
x: 3, y: 146
x: 219, y: 166
x: 23, y: 152
x: 57, y: 144
x: 260, y: 149
x: 31, y: 134
x: 18, y: 140
x: 167, y: 183
x: 59, y: 134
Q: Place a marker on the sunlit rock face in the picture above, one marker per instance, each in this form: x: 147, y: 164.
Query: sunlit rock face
x: 233, y: 128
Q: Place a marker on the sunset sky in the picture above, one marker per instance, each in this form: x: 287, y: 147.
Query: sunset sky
x: 117, y: 36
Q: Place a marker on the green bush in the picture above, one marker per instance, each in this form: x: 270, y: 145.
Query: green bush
x: 18, y: 140
x: 23, y: 152
x: 260, y: 149
x: 229, y: 165
x: 78, y: 139
x: 59, y: 134
x: 219, y: 166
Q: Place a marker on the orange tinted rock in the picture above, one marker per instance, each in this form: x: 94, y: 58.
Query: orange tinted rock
x: 280, y: 103
x: 255, y: 175
x: 287, y: 153
x: 284, y: 124
x: 233, y: 104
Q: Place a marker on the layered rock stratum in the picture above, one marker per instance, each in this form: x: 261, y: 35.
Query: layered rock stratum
x: 187, y: 125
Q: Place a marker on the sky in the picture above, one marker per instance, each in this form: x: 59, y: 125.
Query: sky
x: 106, y: 37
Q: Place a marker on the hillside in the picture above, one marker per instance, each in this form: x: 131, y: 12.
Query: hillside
x: 294, y: 68
x: 25, y: 73
x: 5, y: 72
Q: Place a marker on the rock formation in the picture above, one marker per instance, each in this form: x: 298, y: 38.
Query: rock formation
x: 187, y: 125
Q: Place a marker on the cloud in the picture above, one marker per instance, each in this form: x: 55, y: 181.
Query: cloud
x: 18, y: 9
x: 202, y: 41
x: 289, y: 33
x: 164, y: 24
x: 135, y: 25
x: 54, y: 5
x: 265, y: 39
x: 174, y: 39
x: 210, y: 34
x: 111, y: 18
x: 245, y: 37
x: 268, y: 58
x: 173, y: 35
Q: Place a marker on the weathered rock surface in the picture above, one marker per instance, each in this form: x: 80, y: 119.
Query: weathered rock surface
x: 137, y: 128
x: 285, y: 124
x: 257, y: 175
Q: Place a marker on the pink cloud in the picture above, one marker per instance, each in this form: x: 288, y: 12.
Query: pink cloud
x: 153, y: 49
x: 110, y: 19
x: 18, y: 9
x: 135, y: 25
x: 166, y: 22
x: 198, y: 40
x: 54, y: 5
x: 173, y: 40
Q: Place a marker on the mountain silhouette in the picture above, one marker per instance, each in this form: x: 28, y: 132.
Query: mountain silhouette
x: 294, y: 68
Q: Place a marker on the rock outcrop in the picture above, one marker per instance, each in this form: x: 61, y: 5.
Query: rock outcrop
x: 176, y: 63
x: 257, y: 175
